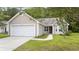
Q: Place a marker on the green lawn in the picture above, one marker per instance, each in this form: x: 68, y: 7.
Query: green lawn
x: 59, y: 43
x: 3, y: 35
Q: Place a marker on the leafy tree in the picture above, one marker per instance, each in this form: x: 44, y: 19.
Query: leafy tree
x: 71, y: 15
x: 7, y: 13
x: 12, y: 11
x: 36, y: 12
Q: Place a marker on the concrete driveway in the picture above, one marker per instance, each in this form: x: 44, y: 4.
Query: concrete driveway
x: 11, y: 43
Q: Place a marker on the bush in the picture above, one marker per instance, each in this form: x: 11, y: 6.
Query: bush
x: 42, y: 36
x: 61, y: 34
x: 68, y: 33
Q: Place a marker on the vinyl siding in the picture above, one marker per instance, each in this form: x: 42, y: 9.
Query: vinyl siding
x: 56, y: 30
x: 41, y: 29
x: 22, y: 19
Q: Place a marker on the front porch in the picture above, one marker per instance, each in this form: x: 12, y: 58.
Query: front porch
x: 48, y: 29
x: 53, y: 30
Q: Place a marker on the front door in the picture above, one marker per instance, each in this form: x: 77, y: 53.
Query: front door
x: 50, y: 29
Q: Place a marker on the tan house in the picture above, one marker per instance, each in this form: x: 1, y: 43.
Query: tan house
x: 23, y: 24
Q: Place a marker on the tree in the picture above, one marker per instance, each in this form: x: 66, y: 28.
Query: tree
x: 71, y: 15
x: 38, y: 12
x: 11, y: 11
x: 7, y: 13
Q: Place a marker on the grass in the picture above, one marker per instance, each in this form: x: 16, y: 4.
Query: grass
x: 59, y: 43
x: 3, y: 35
x: 42, y: 36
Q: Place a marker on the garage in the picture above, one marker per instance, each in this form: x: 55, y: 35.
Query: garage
x: 23, y: 25
x: 22, y: 30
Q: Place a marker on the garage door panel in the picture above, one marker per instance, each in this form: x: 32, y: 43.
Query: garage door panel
x: 23, y: 30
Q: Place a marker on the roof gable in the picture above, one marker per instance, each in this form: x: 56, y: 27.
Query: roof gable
x: 43, y: 21
x: 19, y: 13
x: 22, y: 19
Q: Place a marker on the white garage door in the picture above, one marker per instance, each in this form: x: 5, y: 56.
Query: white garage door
x: 22, y: 30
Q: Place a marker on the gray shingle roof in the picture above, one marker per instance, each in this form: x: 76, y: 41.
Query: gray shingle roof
x: 47, y: 21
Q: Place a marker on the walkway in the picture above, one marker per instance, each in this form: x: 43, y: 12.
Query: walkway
x: 50, y: 37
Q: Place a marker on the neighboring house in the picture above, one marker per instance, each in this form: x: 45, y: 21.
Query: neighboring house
x: 3, y: 26
x: 23, y: 24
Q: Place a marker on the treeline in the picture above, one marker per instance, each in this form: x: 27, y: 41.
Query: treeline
x: 7, y: 13
x: 70, y: 14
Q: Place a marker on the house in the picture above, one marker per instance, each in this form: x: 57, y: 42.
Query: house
x: 51, y: 25
x: 22, y: 24
x: 3, y: 26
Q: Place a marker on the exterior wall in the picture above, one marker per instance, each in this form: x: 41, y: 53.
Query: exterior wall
x: 22, y: 19
x: 46, y: 32
x: 7, y: 27
x: 40, y: 29
x: 37, y: 29
x: 53, y: 29
x: 56, y: 29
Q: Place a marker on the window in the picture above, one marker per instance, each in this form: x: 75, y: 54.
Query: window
x: 56, y: 29
x: 45, y: 28
x: 60, y: 30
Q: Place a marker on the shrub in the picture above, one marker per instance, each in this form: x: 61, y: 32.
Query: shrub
x: 68, y: 33
x: 61, y: 34
x: 42, y: 36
